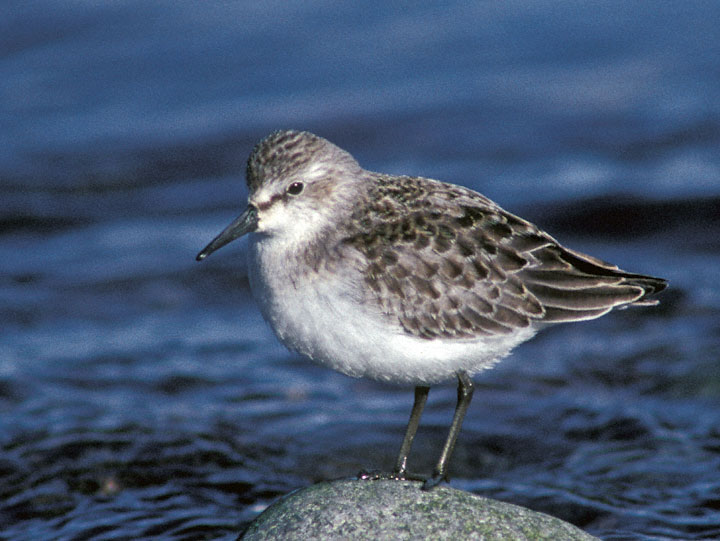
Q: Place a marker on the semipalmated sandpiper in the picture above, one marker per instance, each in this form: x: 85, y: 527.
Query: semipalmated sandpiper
x: 404, y: 279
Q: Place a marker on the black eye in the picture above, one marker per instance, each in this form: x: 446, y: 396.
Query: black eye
x: 295, y: 188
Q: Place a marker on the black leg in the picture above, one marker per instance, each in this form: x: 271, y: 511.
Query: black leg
x: 465, y: 392
x: 421, y: 394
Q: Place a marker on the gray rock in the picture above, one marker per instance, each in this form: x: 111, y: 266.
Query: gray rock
x: 386, y: 509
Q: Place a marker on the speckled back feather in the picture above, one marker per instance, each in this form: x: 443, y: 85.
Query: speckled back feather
x: 448, y: 262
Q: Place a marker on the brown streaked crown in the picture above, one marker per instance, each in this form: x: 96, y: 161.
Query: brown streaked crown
x: 285, y: 152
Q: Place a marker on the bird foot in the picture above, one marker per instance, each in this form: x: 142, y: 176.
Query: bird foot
x: 435, y: 480
x: 374, y: 475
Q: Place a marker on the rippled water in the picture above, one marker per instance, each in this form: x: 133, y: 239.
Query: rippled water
x: 140, y: 392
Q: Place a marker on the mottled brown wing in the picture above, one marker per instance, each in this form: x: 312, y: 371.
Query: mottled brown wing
x: 447, y: 262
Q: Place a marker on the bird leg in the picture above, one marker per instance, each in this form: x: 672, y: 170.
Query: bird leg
x: 421, y: 394
x: 465, y: 392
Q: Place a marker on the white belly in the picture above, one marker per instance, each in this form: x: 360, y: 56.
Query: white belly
x: 322, y: 315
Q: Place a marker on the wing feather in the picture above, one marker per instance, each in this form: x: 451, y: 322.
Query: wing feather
x: 447, y: 262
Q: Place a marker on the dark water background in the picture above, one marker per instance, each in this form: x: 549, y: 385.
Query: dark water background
x: 142, y: 396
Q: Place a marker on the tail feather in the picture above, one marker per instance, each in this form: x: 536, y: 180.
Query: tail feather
x: 573, y: 286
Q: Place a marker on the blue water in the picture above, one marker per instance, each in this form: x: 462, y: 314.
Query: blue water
x: 141, y: 394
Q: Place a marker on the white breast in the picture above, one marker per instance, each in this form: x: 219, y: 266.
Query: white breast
x: 322, y: 315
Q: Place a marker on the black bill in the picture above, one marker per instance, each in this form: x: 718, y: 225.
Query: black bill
x: 245, y: 223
